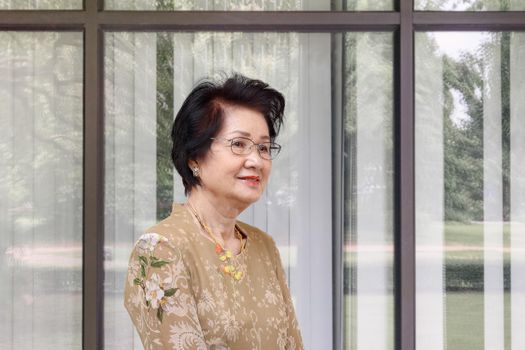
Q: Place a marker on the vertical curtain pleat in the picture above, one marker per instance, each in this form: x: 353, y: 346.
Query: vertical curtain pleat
x: 183, y: 78
x: 282, y: 60
x: 6, y: 174
x: 517, y: 186
x: 373, y: 155
x: 41, y: 189
x: 493, y: 200
x: 429, y: 201
x: 131, y: 171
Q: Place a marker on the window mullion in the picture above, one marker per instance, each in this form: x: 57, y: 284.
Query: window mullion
x: 405, y: 192
x: 93, y: 273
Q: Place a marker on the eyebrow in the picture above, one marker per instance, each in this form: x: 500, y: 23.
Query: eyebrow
x: 247, y: 134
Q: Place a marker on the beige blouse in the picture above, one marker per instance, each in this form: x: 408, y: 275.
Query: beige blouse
x: 180, y: 295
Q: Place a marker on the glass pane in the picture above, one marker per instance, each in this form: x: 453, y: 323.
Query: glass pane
x: 40, y: 4
x: 368, y: 192
x: 469, y: 5
x: 41, y: 190
x: 251, y: 5
x: 147, y: 77
x: 470, y: 191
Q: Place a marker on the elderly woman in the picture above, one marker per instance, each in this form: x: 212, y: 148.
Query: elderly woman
x: 201, y: 279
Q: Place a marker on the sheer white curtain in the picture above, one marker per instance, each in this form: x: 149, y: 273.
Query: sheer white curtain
x: 296, y: 208
x: 494, y: 304
x: 41, y: 190
x: 429, y: 177
x: 300, y: 185
x: 483, y: 242
x: 374, y: 201
x: 40, y: 4
x: 130, y: 167
x: 517, y: 185
x: 222, y: 5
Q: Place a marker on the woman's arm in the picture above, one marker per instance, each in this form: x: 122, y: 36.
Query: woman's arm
x: 159, y: 296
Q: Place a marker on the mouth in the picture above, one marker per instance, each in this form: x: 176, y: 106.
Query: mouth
x: 252, y: 180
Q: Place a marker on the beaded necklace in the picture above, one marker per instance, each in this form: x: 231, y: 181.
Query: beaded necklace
x: 225, y: 255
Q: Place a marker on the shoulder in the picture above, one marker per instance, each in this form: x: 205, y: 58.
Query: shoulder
x: 167, y: 242
x: 176, y: 230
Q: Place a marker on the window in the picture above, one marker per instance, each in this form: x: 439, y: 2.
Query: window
x: 144, y: 70
x: 397, y: 202
x: 41, y: 189
x: 469, y: 192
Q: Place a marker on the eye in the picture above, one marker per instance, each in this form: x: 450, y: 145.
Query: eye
x: 264, y: 148
x: 239, y: 143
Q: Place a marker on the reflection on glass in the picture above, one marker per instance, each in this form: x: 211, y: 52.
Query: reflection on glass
x: 250, y: 5
x: 469, y: 5
x: 40, y: 4
x: 41, y: 190
x: 470, y: 195
x: 368, y: 195
x: 147, y: 77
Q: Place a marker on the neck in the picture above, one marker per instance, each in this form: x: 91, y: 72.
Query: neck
x: 220, y: 217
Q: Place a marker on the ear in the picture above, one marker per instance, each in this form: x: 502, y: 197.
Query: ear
x: 193, y: 164
x: 194, y: 167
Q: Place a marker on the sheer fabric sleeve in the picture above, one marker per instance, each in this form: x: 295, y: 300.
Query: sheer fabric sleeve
x: 294, y: 340
x: 159, y: 298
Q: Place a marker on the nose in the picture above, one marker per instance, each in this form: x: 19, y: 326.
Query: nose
x: 254, y: 159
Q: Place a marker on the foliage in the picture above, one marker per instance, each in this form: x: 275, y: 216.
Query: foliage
x: 463, y: 153
x: 165, y: 117
x: 463, y: 141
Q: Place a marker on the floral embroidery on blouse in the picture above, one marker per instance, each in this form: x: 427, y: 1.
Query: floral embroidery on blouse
x: 158, y: 294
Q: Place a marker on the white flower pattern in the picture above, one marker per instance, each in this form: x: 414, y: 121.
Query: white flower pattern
x: 158, y: 294
x: 154, y: 293
x: 147, y: 242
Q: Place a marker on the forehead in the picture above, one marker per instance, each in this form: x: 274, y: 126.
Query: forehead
x: 242, y: 121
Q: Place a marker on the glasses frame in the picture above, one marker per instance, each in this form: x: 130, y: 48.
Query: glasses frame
x: 272, y: 145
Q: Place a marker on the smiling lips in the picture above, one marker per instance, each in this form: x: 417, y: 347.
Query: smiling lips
x: 253, y: 180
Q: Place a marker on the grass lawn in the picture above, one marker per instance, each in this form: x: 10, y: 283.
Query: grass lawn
x: 465, y: 321
x: 463, y: 268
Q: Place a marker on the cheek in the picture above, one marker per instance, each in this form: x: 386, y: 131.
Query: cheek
x: 268, y: 171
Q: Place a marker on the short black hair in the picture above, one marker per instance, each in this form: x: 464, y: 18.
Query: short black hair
x: 201, y: 116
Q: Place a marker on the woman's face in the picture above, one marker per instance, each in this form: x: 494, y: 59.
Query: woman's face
x: 233, y: 179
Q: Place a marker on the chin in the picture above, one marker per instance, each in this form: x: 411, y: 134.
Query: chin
x: 249, y: 200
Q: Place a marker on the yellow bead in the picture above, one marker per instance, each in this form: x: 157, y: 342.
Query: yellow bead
x: 229, y: 254
x: 238, y: 275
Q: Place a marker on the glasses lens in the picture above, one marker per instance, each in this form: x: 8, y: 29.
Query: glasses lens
x: 274, y: 150
x: 240, y: 146
x: 267, y: 150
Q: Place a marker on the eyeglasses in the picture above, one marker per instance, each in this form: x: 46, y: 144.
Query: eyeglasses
x: 243, y: 146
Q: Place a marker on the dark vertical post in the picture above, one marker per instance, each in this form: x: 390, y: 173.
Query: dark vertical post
x: 405, y: 247
x: 338, y: 50
x: 92, y: 305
